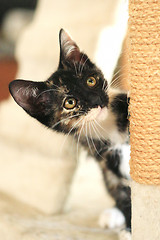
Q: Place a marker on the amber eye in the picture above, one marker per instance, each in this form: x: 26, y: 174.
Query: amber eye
x: 91, y: 82
x: 70, y: 103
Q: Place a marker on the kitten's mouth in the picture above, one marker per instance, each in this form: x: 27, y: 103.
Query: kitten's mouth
x: 102, y: 114
x: 98, y: 113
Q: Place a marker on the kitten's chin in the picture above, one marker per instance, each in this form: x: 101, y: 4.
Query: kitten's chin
x: 103, y: 114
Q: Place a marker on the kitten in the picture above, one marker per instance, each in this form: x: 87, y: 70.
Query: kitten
x: 77, y: 100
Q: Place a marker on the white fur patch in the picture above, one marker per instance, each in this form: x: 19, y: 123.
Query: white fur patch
x: 124, y: 162
x: 101, y: 124
x: 111, y: 218
x: 110, y: 131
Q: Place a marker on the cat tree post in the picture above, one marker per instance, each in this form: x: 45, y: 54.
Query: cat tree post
x: 144, y: 64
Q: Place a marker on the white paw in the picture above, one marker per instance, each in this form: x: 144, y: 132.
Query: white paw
x: 124, y: 235
x: 111, y: 218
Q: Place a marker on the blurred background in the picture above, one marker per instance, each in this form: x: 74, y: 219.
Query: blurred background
x: 14, y: 16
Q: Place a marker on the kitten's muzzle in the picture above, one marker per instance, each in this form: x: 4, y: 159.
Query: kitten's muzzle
x: 97, y: 100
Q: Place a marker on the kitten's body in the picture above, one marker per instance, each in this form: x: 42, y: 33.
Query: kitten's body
x: 76, y: 100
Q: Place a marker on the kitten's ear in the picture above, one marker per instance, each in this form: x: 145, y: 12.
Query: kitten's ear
x: 69, y: 51
x: 31, y: 96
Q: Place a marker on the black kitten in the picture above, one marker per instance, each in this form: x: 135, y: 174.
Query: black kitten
x: 77, y: 100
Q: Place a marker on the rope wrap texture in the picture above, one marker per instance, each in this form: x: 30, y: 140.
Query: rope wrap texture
x: 144, y: 78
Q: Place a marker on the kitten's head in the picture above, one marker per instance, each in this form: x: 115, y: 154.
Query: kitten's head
x: 73, y: 95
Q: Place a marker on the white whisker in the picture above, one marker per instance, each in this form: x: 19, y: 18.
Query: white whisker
x: 84, y: 65
x: 79, y: 135
x: 80, y: 63
x: 97, y: 133
x: 112, y: 83
x: 86, y: 135
x: 92, y: 139
x: 100, y: 126
x: 75, y: 68
x: 105, y: 81
x: 62, y: 120
x: 49, y: 90
x: 125, y: 65
x: 70, y: 132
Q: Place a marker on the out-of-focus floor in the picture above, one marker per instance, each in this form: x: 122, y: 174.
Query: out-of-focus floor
x: 18, y: 221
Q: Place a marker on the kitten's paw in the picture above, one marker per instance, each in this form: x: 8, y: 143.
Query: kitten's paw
x: 124, y: 235
x: 111, y: 218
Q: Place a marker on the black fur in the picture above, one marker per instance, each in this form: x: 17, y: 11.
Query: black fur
x: 113, y: 161
x: 120, y: 107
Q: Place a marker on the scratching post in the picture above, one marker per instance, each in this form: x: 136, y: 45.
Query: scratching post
x: 144, y: 64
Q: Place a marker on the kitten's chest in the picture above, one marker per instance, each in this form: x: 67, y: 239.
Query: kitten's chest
x: 107, y: 129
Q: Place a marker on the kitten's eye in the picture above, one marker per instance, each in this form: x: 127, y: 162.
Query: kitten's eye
x: 91, y: 82
x: 70, y: 103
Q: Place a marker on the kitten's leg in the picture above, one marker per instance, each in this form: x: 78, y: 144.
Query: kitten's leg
x: 112, y: 162
x: 115, y: 168
x: 121, y: 193
x: 118, y: 188
x: 117, y: 160
x: 123, y: 202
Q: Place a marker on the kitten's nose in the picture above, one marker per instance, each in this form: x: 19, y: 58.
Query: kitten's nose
x: 96, y: 100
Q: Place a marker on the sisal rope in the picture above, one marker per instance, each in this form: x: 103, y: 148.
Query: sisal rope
x: 144, y: 76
